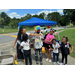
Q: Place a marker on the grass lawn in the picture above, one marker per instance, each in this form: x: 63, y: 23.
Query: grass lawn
x: 71, y: 36
x: 14, y: 30
x: 7, y: 30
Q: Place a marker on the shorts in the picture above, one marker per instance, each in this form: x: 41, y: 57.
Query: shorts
x: 47, y: 45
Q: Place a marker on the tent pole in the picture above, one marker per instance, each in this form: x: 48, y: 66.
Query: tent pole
x: 18, y: 27
x: 58, y: 33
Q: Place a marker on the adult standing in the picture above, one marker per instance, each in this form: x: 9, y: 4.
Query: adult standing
x: 18, y: 40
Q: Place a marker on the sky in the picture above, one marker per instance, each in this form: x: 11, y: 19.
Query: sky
x: 18, y: 13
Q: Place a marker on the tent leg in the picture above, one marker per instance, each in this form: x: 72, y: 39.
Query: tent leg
x: 18, y: 28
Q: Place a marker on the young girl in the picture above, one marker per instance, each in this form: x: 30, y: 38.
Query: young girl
x: 65, y: 49
x: 18, y: 40
x: 48, y: 44
x: 25, y: 44
x: 55, y: 46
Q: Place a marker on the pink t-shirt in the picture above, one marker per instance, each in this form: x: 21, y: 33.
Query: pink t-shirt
x: 48, y: 38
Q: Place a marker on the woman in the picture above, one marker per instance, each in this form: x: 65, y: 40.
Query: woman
x: 19, y: 54
x: 48, y: 44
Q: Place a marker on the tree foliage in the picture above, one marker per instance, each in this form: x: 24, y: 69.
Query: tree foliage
x: 67, y: 17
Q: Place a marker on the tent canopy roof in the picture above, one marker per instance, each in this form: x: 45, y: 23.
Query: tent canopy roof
x: 37, y: 21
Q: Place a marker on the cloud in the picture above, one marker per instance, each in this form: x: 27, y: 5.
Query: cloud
x: 45, y: 11
x: 14, y: 14
x: 32, y: 14
x: 4, y: 10
x: 50, y: 11
x: 60, y: 11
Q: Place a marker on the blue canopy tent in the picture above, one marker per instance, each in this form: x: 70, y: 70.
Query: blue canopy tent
x: 36, y: 21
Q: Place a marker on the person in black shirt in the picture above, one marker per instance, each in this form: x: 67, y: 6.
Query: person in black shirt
x: 65, y: 49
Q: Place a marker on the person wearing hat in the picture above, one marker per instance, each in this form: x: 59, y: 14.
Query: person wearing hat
x: 48, y: 44
x: 37, y: 44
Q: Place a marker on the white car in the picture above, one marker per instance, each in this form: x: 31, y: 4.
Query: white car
x: 44, y: 30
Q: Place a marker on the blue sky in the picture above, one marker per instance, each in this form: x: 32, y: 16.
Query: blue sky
x: 22, y: 12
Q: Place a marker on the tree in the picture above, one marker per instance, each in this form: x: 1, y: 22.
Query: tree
x: 3, y: 15
x: 70, y: 13
x: 28, y: 16
x: 54, y: 16
x: 42, y: 15
x: 63, y: 20
x: 11, y: 24
x: 7, y: 20
x: 35, y: 16
x: 14, y: 19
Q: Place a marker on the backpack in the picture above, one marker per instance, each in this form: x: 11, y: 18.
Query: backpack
x: 45, y: 35
x: 67, y: 44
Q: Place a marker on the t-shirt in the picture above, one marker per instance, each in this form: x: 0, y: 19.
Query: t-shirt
x: 48, y: 38
x: 65, y: 49
x: 55, y: 46
x: 25, y: 45
x: 18, y: 41
x: 38, y: 41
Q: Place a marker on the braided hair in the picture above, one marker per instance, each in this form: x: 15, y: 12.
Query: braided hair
x: 20, y: 33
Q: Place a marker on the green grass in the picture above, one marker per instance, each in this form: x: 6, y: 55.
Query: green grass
x: 60, y: 29
x: 70, y: 33
x: 14, y: 30
x: 7, y: 30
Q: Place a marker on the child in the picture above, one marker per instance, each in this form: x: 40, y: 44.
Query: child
x: 65, y: 49
x: 37, y: 44
x: 48, y: 44
x: 55, y: 46
x: 25, y: 44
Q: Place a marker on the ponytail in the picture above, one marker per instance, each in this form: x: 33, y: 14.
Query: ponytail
x: 66, y: 38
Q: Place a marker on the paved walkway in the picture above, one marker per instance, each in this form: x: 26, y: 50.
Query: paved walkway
x: 6, y: 50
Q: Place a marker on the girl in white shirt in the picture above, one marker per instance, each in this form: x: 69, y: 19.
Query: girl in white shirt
x: 25, y: 44
x: 19, y: 54
x: 55, y: 46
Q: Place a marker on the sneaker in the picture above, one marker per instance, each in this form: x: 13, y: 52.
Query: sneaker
x: 37, y: 62
x: 24, y: 60
x: 65, y: 64
x: 53, y: 63
x: 61, y: 63
x: 41, y: 63
x: 47, y: 59
x: 58, y: 62
x: 16, y: 62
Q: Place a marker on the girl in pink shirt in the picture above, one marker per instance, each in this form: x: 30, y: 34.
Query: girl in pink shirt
x: 48, y: 44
